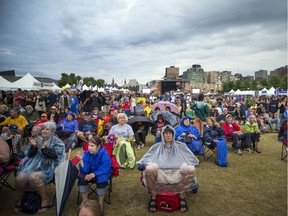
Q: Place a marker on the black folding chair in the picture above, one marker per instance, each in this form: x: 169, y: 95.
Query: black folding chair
x: 284, y: 151
x: 209, y: 150
x: 6, y: 170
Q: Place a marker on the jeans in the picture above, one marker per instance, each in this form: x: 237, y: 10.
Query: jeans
x: 244, y: 138
x: 273, y: 121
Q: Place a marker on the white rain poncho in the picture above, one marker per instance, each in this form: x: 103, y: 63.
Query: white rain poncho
x: 169, y: 161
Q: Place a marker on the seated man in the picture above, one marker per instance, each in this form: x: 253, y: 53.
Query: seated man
x: 251, y: 126
x: 42, y: 120
x: 14, y: 118
x: 31, y: 116
x: 270, y: 121
x: 222, y: 117
x: 232, y: 131
x: 168, y: 165
x: 86, y: 127
x: 140, y: 131
x: 13, y: 139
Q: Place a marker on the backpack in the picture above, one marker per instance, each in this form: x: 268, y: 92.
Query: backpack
x: 31, y: 202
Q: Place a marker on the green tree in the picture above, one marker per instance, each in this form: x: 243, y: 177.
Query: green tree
x: 68, y: 78
x: 253, y: 85
x: 89, y: 81
x: 274, y: 82
x: 100, y: 83
x: 263, y: 83
x: 283, y: 83
x: 237, y: 85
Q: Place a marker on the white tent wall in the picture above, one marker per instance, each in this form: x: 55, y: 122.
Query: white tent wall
x: 27, y: 82
x: 4, y: 84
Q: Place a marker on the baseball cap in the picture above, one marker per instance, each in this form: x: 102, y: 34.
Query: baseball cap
x: 53, y: 107
x: 13, y: 128
x: 229, y: 115
x: 43, y: 115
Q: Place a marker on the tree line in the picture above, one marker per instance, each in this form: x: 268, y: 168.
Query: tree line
x: 276, y: 82
x: 73, y: 79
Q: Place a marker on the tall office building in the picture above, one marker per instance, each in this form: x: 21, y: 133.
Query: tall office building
x: 261, y: 74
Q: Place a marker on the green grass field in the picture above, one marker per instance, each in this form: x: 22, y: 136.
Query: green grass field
x: 252, y: 184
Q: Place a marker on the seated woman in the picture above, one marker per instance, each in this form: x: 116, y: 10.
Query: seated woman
x: 214, y: 138
x: 190, y: 135
x: 95, y: 166
x: 42, y: 155
x: 123, y: 150
x: 169, y: 165
x: 251, y: 126
x: 158, y: 125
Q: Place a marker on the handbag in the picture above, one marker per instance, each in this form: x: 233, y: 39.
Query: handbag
x: 187, y: 139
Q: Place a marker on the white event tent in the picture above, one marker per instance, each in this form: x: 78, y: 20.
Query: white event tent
x: 4, y: 84
x: 26, y: 82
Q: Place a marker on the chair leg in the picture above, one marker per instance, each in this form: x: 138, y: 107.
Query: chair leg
x: 206, y: 151
x: 78, y: 198
x: 109, y: 189
x: 284, y: 152
x: 4, y: 181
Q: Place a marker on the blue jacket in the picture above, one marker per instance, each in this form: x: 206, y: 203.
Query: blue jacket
x: 186, y: 129
x: 211, y: 133
x: 99, y: 164
x: 69, y: 126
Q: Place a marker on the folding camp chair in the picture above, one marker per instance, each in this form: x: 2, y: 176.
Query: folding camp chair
x: 92, y: 185
x: 5, y: 172
x: 284, y: 149
x: 209, y: 151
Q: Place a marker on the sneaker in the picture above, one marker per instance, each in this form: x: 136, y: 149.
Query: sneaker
x: 138, y: 147
x: 142, y: 145
x: 239, y: 152
x: 248, y: 150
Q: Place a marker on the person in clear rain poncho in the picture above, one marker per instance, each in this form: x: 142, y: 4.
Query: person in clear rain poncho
x: 169, y: 165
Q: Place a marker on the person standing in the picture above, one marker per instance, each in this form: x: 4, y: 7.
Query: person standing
x: 201, y: 112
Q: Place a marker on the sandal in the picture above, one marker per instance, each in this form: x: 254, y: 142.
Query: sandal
x: 152, y: 205
x: 45, y: 208
x: 183, y: 205
x: 258, y: 150
x: 18, y: 208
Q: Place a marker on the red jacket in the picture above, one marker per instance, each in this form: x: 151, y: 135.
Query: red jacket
x: 230, y: 130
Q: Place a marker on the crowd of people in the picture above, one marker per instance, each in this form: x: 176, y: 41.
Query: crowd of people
x: 40, y: 127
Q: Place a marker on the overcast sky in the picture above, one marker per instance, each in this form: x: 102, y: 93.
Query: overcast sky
x: 138, y: 39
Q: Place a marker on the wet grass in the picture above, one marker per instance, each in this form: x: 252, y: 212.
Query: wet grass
x: 252, y: 184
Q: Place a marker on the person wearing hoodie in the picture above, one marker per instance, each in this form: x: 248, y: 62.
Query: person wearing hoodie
x: 201, y: 112
x: 95, y: 166
x: 67, y: 126
x: 190, y: 135
x: 169, y: 165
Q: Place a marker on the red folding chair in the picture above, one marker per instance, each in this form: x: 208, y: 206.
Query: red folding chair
x: 115, y: 167
x: 6, y: 171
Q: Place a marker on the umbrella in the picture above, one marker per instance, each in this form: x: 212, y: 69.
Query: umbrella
x: 65, y: 176
x: 173, y: 120
x: 139, y: 119
x: 163, y: 104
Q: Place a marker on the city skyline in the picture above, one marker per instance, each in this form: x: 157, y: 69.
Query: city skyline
x: 137, y: 40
